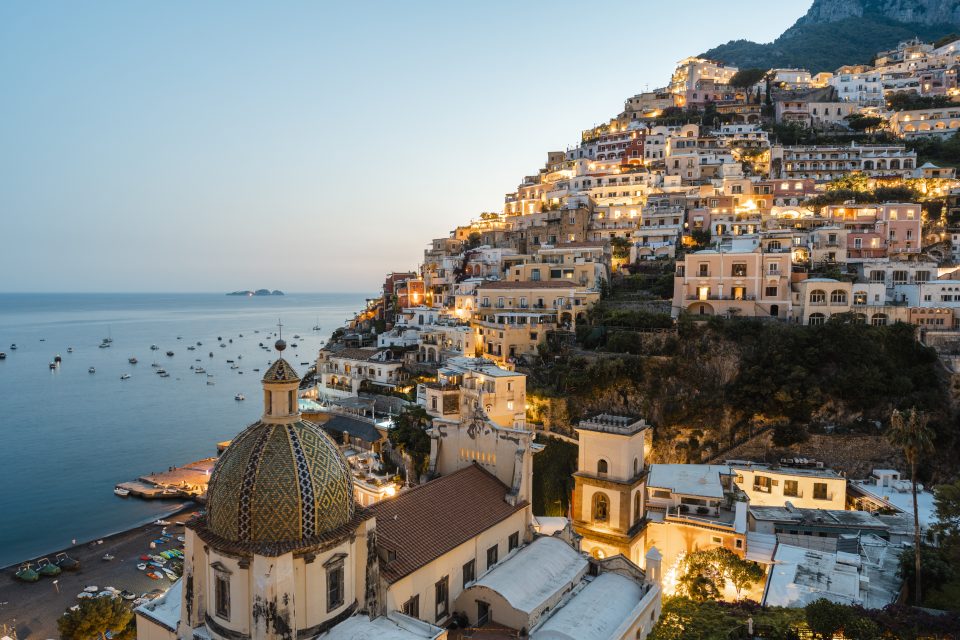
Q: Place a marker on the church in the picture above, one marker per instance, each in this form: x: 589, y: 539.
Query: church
x: 283, y: 550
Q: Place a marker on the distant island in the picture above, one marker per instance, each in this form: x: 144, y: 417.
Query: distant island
x: 258, y: 292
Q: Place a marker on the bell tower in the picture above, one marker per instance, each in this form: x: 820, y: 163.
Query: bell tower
x: 280, y: 385
x: 609, y: 486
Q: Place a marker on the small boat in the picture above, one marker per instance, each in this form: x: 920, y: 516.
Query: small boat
x: 223, y: 345
x: 209, y: 375
x: 57, y: 359
x: 230, y: 340
x: 53, y: 365
x: 107, y: 557
x: 199, y: 344
x: 104, y: 345
x: 83, y: 595
x: 47, y: 568
x: 240, y: 357
x: 106, y: 593
x: 210, y: 383
x: 199, y: 370
x: 296, y: 335
x: 142, y: 566
x: 162, y: 523
x: 125, y: 376
x: 67, y: 563
x: 120, y: 491
x: 230, y: 361
x: 181, y: 539
x: 132, y: 360
x: 69, y: 349
x: 154, y: 347
x: 219, y: 338
x: 91, y: 589
x: 161, y: 371
x: 164, y: 375
x: 179, y: 337
x: 13, y: 346
x: 239, y: 396
x: 191, y: 348
x: 128, y: 595
x: 171, y: 492
x: 26, y: 573
x: 152, y: 575
x: 170, y: 574
x: 234, y: 366
x: 294, y: 345
x: 108, y: 339
x: 3, y: 356
x: 92, y: 370
x: 257, y: 370
x: 170, y: 353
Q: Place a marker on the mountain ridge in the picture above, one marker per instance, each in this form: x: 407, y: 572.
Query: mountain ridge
x: 837, y: 32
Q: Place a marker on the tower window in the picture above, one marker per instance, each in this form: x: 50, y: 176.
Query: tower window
x: 291, y: 402
x: 222, y: 595
x: 602, y: 467
x: 335, y: 586
x: 601, y: 507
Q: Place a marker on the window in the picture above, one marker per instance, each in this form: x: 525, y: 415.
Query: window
x: 739, y: 270
x: 412, y: 607
x: 838, y: 296
x: 876, y: 276
x: 601, y: 507
x: 492, y: 556
x: 899, y: 277
x: 774, y: 246
x: 818, y: 296
x: 817, y: 319
x: 704, y: 269
x: 469, y: 572
x: 761, y: 483
x: 770, y: 292
x: 860, y: 297
x: 637, y: 506
x: 335, y: 586
x: 222, y: 595
x: 661, y: 493
x: 443, y: 597
x: 601, y: 467
x: 879, y: 320
x: 513, y: 542
x: 820, y: 491
x: 636, y: 466
x: 791, y: 488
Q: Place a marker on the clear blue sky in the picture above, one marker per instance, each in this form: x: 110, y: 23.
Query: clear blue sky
x: 181, y: 146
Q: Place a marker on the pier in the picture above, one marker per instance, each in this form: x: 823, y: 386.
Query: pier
x: 189, y: 481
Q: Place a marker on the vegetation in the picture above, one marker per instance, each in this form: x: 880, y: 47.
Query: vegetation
x: 908, y: 101
x: 910, y: 433
x: 704, y: 573
x: 553, y: 470
x: 745, y: 78
x: 937, y: 150
x: 96, y: 618
x: 409, y: 435
x: 684, y: 619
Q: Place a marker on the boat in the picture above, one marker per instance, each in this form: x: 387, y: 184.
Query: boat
x: 170, y: 353
x: 83, y: 595
x: 210, y: 383
x: 107, y: 557
x: 230, y: 361
x: 164, y: 375
x: 3, y: 355
x: 154, y: 347
x: 57, y: 359
x: 104, y: 345
x: 170, y: 574
x: 142, y: 566
x: 128, y: 595
x: 179, y: 337
x: 294, y: 345
x: 92, y: 370
x: 53, y: 365
x: 230, y: 340
x: 199, y: 344
x: 191, y: 348
x: 13, y: 346
x: 106, y: 593
x: 211, y: 354
x: 67, y: 563
x: 152, y: 575
x: 26, y: 573
x: 209, y: 375
x: 161, y: 370
x: 234, y: 366
x: 223, y: 345
x: 199, y: 370
x: 69, y: 349
x: 239, y: 396
x: 125, y: 376
x: 47, y: 568
x: 162, y: 523
x: 132, y: 360
x: 120, y: 491
x: 91, y: 588
x: 296, y: 335
x: 240, y: 357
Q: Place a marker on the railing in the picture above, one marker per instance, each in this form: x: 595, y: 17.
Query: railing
x: 698, y: 520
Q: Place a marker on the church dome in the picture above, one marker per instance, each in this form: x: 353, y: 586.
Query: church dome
x: 279, y: 483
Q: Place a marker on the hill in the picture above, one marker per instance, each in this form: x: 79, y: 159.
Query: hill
x: 839, y: 32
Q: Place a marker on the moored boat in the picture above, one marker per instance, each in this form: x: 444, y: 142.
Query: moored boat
x: 26, y: 573
x: 67, y: 563
x: 125, y: 376
x: 3, y: 356
x: 92, y: 370
x: 239, y: 396
x: 132, y: 360
x: 47, y: 568
x: 170, y: 353
x: 120, y: 491
x: 53, y: 365
x: 57, y: 359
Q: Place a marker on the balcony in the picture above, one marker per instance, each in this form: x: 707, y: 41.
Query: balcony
x: 748, y: 298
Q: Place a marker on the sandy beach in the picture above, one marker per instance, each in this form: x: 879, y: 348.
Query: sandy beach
x: 33, y: 609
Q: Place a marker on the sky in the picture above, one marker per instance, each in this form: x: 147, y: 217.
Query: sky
x: 305, y: 146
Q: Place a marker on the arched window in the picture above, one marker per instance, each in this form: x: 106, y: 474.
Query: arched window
x: 637, y: 506
x: 818, y: 296
x: 838, y: 296
x: 636, y: 466
x: 859, y: 318
x: 879, y: 319
x: 601, y: 507
x: 601, y: 467
x: 817, y: 319
x: 774, y: 246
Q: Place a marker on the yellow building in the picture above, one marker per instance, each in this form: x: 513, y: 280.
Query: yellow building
x: 803, y: 488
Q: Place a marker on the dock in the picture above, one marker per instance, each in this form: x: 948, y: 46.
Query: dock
x: 188, y: 481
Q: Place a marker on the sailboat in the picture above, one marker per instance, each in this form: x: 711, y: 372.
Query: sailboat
x: 316, y: 327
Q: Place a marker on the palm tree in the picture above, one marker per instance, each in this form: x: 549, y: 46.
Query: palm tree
x: 910, y: 433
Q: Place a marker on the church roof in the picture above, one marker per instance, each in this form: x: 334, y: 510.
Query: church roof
x: 426, y: 522
x: 281, y: 371
x: 279, y: 483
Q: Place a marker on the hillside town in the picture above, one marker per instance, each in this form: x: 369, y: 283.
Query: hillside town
x: 774, y: 195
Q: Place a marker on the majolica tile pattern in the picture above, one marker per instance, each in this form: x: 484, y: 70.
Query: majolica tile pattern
x: 279, y: 483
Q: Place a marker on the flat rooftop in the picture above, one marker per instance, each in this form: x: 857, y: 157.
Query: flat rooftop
x: 700, y: 480
x: 611, y: 423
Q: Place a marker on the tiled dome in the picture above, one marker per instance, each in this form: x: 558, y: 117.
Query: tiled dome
x: 279, y: 483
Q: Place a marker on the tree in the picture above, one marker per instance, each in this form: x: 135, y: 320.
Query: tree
x: 745, y: 78
x: 701, y: 579
x: 742, y: 573
x: 911, y: 434
x: 410, y: 436
x: 621, y: 248
x: 95, y: 618
x: 946, y: 500
x: 825, y: 618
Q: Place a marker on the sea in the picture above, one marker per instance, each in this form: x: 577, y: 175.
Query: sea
x: 67, y: 436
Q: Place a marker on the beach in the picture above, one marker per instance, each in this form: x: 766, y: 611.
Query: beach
x: 32, y: 609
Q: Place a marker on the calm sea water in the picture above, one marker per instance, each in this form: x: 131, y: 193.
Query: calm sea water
x: 68, y: 436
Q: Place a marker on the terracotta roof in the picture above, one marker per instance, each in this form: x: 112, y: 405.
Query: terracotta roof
x: 529, y: 284
x: 429, y: 520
